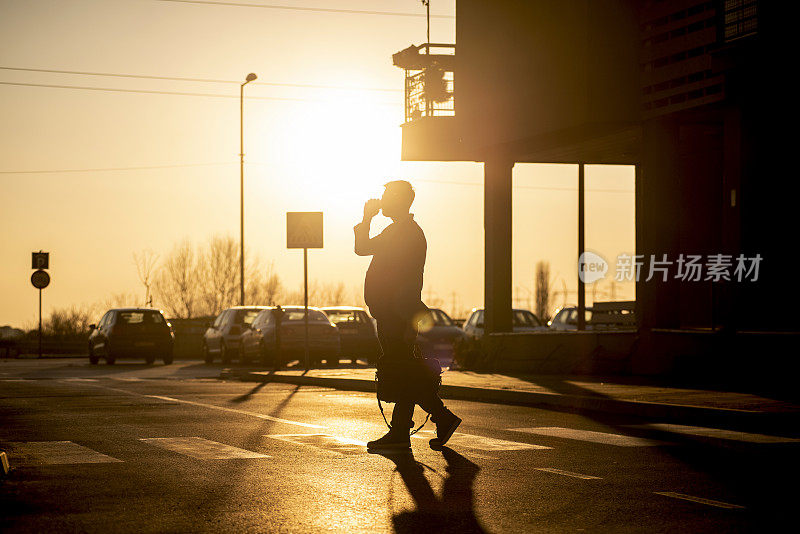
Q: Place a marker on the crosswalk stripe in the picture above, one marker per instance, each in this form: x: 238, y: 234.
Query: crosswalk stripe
x: 719, y: 433
x: 589, y: 435
x: 482, y: 443
x: 567, y: 473
x: 701, y: 500
x: 55, y: 453
x: 326, y: 442
x: 202, y: 449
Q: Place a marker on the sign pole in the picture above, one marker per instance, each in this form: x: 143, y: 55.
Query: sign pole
x: 40, y: 323
x: 40, y: 280
x: 305, y: 300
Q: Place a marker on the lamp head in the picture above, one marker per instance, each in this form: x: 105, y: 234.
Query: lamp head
x: 250, y: 77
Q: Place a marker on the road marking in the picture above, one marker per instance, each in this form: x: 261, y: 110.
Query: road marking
x: 55, y: 453
x: 701, y: 500
x: 588, y: 435
x: 202, y: 449
x: 213, y: 406
x: 326, y: 442
x: 567, y: 473
x: 234, y: 410
x: 348, y: 396
x: 126, y: 378
x: 76, y: 379
x: 719, y: 433
x: 481, y: 443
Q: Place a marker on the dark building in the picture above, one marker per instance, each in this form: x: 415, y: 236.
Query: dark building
x: 690, y: 92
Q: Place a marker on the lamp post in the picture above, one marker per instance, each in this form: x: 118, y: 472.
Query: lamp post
x: 250, y: 77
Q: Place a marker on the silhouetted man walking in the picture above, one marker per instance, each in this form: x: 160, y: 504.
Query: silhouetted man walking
x: 392, y: 291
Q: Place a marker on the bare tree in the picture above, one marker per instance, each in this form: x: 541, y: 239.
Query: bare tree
x: 272, y: 286
x: 119, y: 300
x: 218, y: 274
x: 176, y: 281
x: 543, y: 290
x: 145, y: 262
x: 333, y: 294
x: 263, y: 284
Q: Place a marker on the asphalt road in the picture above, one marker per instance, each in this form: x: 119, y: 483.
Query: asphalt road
x: 136, y: 448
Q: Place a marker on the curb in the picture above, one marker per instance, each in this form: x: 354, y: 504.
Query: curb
x: 574, y: 403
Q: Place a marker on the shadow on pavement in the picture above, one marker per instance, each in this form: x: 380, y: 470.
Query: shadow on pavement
x: 453, y: 512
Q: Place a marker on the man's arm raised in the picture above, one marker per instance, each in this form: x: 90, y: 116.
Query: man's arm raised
x: 365, y: 246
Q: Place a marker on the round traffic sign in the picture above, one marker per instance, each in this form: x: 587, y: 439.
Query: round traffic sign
x: 40, y: 279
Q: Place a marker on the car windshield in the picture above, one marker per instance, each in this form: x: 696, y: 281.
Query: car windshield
x: 314, y: 316
x: 246, y: 316
x: 342, y: 316
x: 440, y: 318
x: 525, y: 319
x: 140, y: 318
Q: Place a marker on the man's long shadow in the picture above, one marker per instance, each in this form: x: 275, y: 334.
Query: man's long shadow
x: 454, y: 512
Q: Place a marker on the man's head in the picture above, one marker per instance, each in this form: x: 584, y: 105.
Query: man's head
x: 397, y: 198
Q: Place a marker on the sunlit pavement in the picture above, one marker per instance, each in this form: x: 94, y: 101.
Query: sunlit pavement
x: 159, y: 448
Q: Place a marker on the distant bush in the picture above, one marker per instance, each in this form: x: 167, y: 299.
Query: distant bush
x: 67, y: 323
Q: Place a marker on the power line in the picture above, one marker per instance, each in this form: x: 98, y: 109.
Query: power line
x: 179, y: 93
x: 204, y: 80
x: 148, y: 167
x: 152, y: 167
x: 308, y: 9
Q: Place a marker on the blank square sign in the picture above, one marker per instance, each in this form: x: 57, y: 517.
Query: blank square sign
x: 304, y: 229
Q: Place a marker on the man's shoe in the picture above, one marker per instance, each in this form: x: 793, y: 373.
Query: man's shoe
x: 446, y: 424
x: 393, y: 440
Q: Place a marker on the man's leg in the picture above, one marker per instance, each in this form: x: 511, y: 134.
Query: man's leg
x: 402, y: 415
x: 391, y: 335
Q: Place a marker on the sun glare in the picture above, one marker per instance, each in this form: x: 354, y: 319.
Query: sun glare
x: 336, y: 154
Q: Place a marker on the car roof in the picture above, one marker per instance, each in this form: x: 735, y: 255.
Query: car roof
x: 513, y: 309
x: 249, y: 307
x: 136, y: 309
x: 342, y: 308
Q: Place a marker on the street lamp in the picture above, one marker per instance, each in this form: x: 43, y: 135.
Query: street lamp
x: 250, y: 78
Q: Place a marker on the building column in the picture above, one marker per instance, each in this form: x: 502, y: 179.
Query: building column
x: 497, y: 231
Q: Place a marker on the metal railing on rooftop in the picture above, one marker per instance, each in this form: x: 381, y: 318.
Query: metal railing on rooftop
x: 429, y: 82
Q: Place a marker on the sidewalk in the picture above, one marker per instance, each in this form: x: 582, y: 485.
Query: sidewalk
x: 637, y: 396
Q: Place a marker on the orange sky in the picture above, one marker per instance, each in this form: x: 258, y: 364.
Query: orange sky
x: 308, y: 149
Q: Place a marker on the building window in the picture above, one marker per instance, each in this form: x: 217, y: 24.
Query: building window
x: 741, y: 18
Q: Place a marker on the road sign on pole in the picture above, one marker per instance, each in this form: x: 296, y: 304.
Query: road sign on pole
x: 304, y: 230
x: 40, y: 280
x: 40, y: 260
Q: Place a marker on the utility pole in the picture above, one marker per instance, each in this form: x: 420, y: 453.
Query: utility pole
x: 427, y: 4
x: 250, y: 77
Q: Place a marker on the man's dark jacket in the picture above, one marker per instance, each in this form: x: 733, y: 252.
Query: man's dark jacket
x: 393, y: 284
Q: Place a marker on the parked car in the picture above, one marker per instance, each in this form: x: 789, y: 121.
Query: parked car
x: 133, y: 332
x: 439, y: 336
x: 357, y: 333
x: 523, y: 321
x: 566, y: 319
x: 615, y: 315
x: 223, y: 337
x: 260, y: 339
